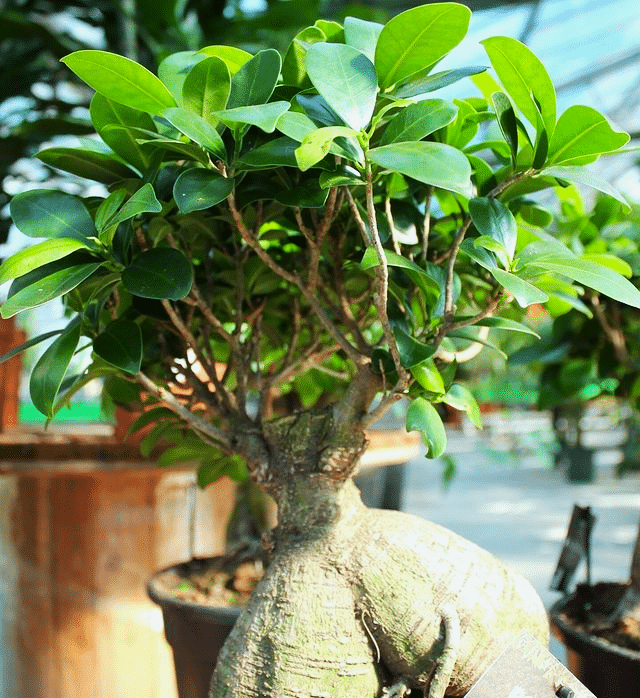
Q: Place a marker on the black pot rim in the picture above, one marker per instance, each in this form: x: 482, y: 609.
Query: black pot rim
x: 167, y: 601
x: 571, y: 631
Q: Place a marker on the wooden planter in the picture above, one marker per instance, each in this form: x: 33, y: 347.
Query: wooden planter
x: 10, y: 337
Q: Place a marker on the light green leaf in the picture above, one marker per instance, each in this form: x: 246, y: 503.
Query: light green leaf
x: 492, y: 218
x: 120, y: 345
x: 317, y: 144
x: 583, y: 131
x: 525, y: 293
x: 422, y: 416
x: 362, y: 35
x: 346, y: 79
x: 428, y: 376
x: 143, y: 201
x: 109, y: 206
x: 121, y: 79
x: 297, y: 126
x: 432, y: 163
x: 293, y: 69
x: 460, y: 398
x: 418, y: 120
x: 617, y: 264
x: 161, y: 272
x: 524, y: 78
x: 503, y: 323
x: 417, y: 39
x: 198, y: 188
x: 580, y: 175
x: 234, y: 58
x: 197, y: 129
x: 206, y: 88
x: 86, y: 163
x: 48, y: 373
x: 264, y: 116
x: 34, y: 256
x: 174, y: 69
x: 41, y: 213
x: 255, y: 80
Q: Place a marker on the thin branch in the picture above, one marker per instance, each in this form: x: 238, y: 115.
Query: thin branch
x: 392, y: 225
x: 426, y: 223
x: 614, y: 333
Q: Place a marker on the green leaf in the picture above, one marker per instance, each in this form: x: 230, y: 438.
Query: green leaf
x: 48, y: 373
x: 234, y: 58
x: 428, y: 376
x: 198, y: 188
x: 524, y: 78
x: 161, y: 272
x: 460, y: 398
x: 417, y: 39
x: 279, y: 152
x: 170, y: 149
x: 422, y: 416
x: 431, y: 163
x: 580, y: 175
x: 583, y: 131
x: 34, y: 256
x: 197, y: 129
x: 143, y: 201
x: 116, y: 126
x: 362, y: 35
x: 211, y: 471
x: 155, y: 414
x: 173, y: 70
x: 120, y: 345
x: 423, y: 84
x: 264, y: 116
x: 28, y: 344
x: 591, y: 274
x: 346, y: 79
x: 255, y: 80
x: 298, y: 126
x: 525, y: 293
x: 412, y: 352
x: 45, y: 213
x: 507, y: 122
x: 86, y: 163
x: 206, y: 88
x: 293, y: 68
x: 610, y: 260
x: 503, y: 323
x: 418, y: 274
x: 492, y: 218
x: 121, y: 79
x: 317, y: 144
x: 46, y: 283
x: 418, y: 120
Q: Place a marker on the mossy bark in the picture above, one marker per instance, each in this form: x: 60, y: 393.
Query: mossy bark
x: 357, y: 600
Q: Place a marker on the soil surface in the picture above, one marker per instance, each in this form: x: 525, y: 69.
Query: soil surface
x: 590, y: 611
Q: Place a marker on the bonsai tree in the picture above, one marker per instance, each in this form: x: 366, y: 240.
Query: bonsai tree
x: 289, y: 245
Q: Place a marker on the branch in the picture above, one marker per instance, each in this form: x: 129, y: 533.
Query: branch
x: 426, y: 223
x: 614, y: 334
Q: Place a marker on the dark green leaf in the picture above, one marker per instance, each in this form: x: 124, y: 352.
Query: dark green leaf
x: 120, y: 345
x: 412, y: 351
x: 211, y: 471
x: 422, y: 416
x: 418, y: 120
x: 45, y: 213
x: 279, y: 152
x: 293, y: 68
x: 507, y: 121
x: 255, y: 80
x: 28, y: 344
x: 417, y: 85
x: 199, y: 188
x: 161, y: 272
x: 83, y: 162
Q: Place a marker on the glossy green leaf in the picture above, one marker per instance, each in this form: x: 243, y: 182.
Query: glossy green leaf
x: 437, y: 164
x: 492, y: 218
x: 264, y: 116
x: 609, y: 260
x: 48, y: 373
x: 234, y: 58
x: 346, y: 79
x: 170, y: 149
x: 174, y: 69
x: 206, y: 88
x: 34, y: 341
x: 86, y: 163
x: 109, y: 206
x: 255, y: 80
x: 525, y: 293
x: 120, y: 345
x: 422, y: 416
x: 460, y: 398
x: 316, y: 145
x: 524, y: 78
x: 503, y: 323
x: 428, y: 376
x: 507, y: 122
x: 46, y: 213
x: 412, y: 352
x: 417, y: 39
x: 293, y: 68
x: 423, y: 84
x: 116, y: 125
x: 279, y: 152
x: 581, y: 175
x: 298, y: 126
x: 418, y: 120
x: 142, y: 201
x: 591, y: 274
x: 121, y: 79
x: 198, y: 188
x: 161, y: 272
x: 363, y: 35
x: 197, y: 129
x: 29, y: 258
x: 46, y: 283
x: 317, y: 108
x: 583, y: 131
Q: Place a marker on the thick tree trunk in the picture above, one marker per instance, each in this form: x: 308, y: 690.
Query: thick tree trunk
x: 359, y: 602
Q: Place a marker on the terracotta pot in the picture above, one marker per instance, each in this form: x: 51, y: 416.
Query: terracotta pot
x: 606, y: 669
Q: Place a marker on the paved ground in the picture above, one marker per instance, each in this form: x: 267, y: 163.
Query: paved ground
x: 515, y: 505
